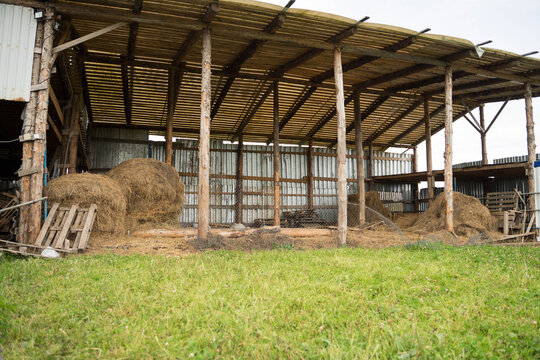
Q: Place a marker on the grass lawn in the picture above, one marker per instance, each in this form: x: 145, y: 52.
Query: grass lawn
x: 468, y: 302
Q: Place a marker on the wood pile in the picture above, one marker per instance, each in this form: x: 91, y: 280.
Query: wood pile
x: 295, y: 219
x: 66, y: 230
x: 6, y: 217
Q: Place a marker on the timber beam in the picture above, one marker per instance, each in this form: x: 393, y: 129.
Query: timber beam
x: 234, y: 67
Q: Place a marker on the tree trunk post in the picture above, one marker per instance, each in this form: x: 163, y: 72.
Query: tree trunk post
x: 239, y: 180
x: 483, y: 135
x: 310, y: 174
x: 341, y: 150
x: 531, y: 145
x: 448, y: 174
x: 360, y: 177
x: 276, y: 153
x: 204, y: 140
x: 170, y: 116
x: 429, y: 162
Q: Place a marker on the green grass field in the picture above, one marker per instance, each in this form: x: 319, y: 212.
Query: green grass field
x: 469, y: 302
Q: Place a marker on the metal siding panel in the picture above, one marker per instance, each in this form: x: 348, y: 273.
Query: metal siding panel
x: 17, y: 40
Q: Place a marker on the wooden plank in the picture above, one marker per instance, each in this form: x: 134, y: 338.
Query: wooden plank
x: 342, y: 150
x: 87, y: 229
x: 239, y: 180
x: 448, y: 177
x: 46, y: 224
x: 88, y: 37
x: 82, y: 214
x: 60, y: 215
x: 204, y: 140
x: 66, y: 225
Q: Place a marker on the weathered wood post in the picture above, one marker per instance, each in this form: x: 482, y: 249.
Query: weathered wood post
x: 429, y: 162
x: 204, y: 140
x: 360, y: 177
x: 448, y: 174
x: 170, y: 115
x: 310, y: 174
x: 239, y: 180
x: 415, y: 184
x: 531, y: 145
x: 74, y: 130
x: 483, y: 135
x: 35, y: 132
x: 371, y: 171
x: 341, y: 150
x: 276, y: 153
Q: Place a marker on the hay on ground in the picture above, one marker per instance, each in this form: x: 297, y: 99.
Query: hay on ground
x: 153, y: 189
x: 470, y: 216
x: 86, y: 189
x: 373, y: 201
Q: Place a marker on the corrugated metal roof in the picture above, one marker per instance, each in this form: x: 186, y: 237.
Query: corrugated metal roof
x: 17, y: 39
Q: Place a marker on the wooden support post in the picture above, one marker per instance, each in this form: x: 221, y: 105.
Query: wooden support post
x: 27, y: 146
x: 370, y: 172
x: 448, y: 174
x: 276, y: 153
x: 531, y: 145
x: 40, y: 128
x: 239, y: 180
x: 483, y: 135
x: 415, y: 185
x: 360, y: 178
x: 170, y: 116
x: 204, y: 140
x: 341, y: 150
x: 310, y: 174
x: 429, y: 163
x: 74, y: 130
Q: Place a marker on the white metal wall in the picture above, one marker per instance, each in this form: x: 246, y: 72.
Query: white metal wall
x: 109, y: 147
x: 17, y: 39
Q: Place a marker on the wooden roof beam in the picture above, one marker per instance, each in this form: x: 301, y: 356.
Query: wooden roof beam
x: 400, y: 117
x: 194, y: 35
x: 417, y: 125
x: 127, y: 80
x: 440, y: 127
x: 353, y: 64
x: 127, y: 92
x: 280, y: 70
x: 234, y: 67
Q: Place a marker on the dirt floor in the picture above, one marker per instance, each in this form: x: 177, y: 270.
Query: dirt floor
x: 380, y: 237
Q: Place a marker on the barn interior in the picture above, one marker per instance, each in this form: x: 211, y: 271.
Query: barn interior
x: 264, y: 110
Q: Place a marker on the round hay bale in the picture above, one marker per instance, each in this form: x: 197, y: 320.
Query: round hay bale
x: 153, y: 189
x: 470, y: 216
x: 373, y: 202
x: 86, y: 189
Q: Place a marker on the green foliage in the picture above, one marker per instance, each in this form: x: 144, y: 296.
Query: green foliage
x: 468, y: 302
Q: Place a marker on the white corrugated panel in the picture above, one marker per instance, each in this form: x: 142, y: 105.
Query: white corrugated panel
x: 17, y: 39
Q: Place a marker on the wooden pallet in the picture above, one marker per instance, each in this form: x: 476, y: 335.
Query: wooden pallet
x: 67, y: 228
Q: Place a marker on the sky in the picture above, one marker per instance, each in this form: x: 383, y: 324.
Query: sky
x: 511, y: 25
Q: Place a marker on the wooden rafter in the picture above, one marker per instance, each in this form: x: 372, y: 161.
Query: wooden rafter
x: 383, y: 79
x: 400, y: 117
x: 280, y: 70
x: 417, y: 125
x: 194, y: 35
x: 353, y: 64
x: 248, y: 52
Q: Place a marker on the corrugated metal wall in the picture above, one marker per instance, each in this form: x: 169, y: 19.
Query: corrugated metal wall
x: 17, y: 39
x: 109, y: 147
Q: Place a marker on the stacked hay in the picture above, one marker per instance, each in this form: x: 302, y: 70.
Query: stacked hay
x: 86, y: 189
x: 373, y: 202
x: 153, y: 189
x: 470, y: 216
